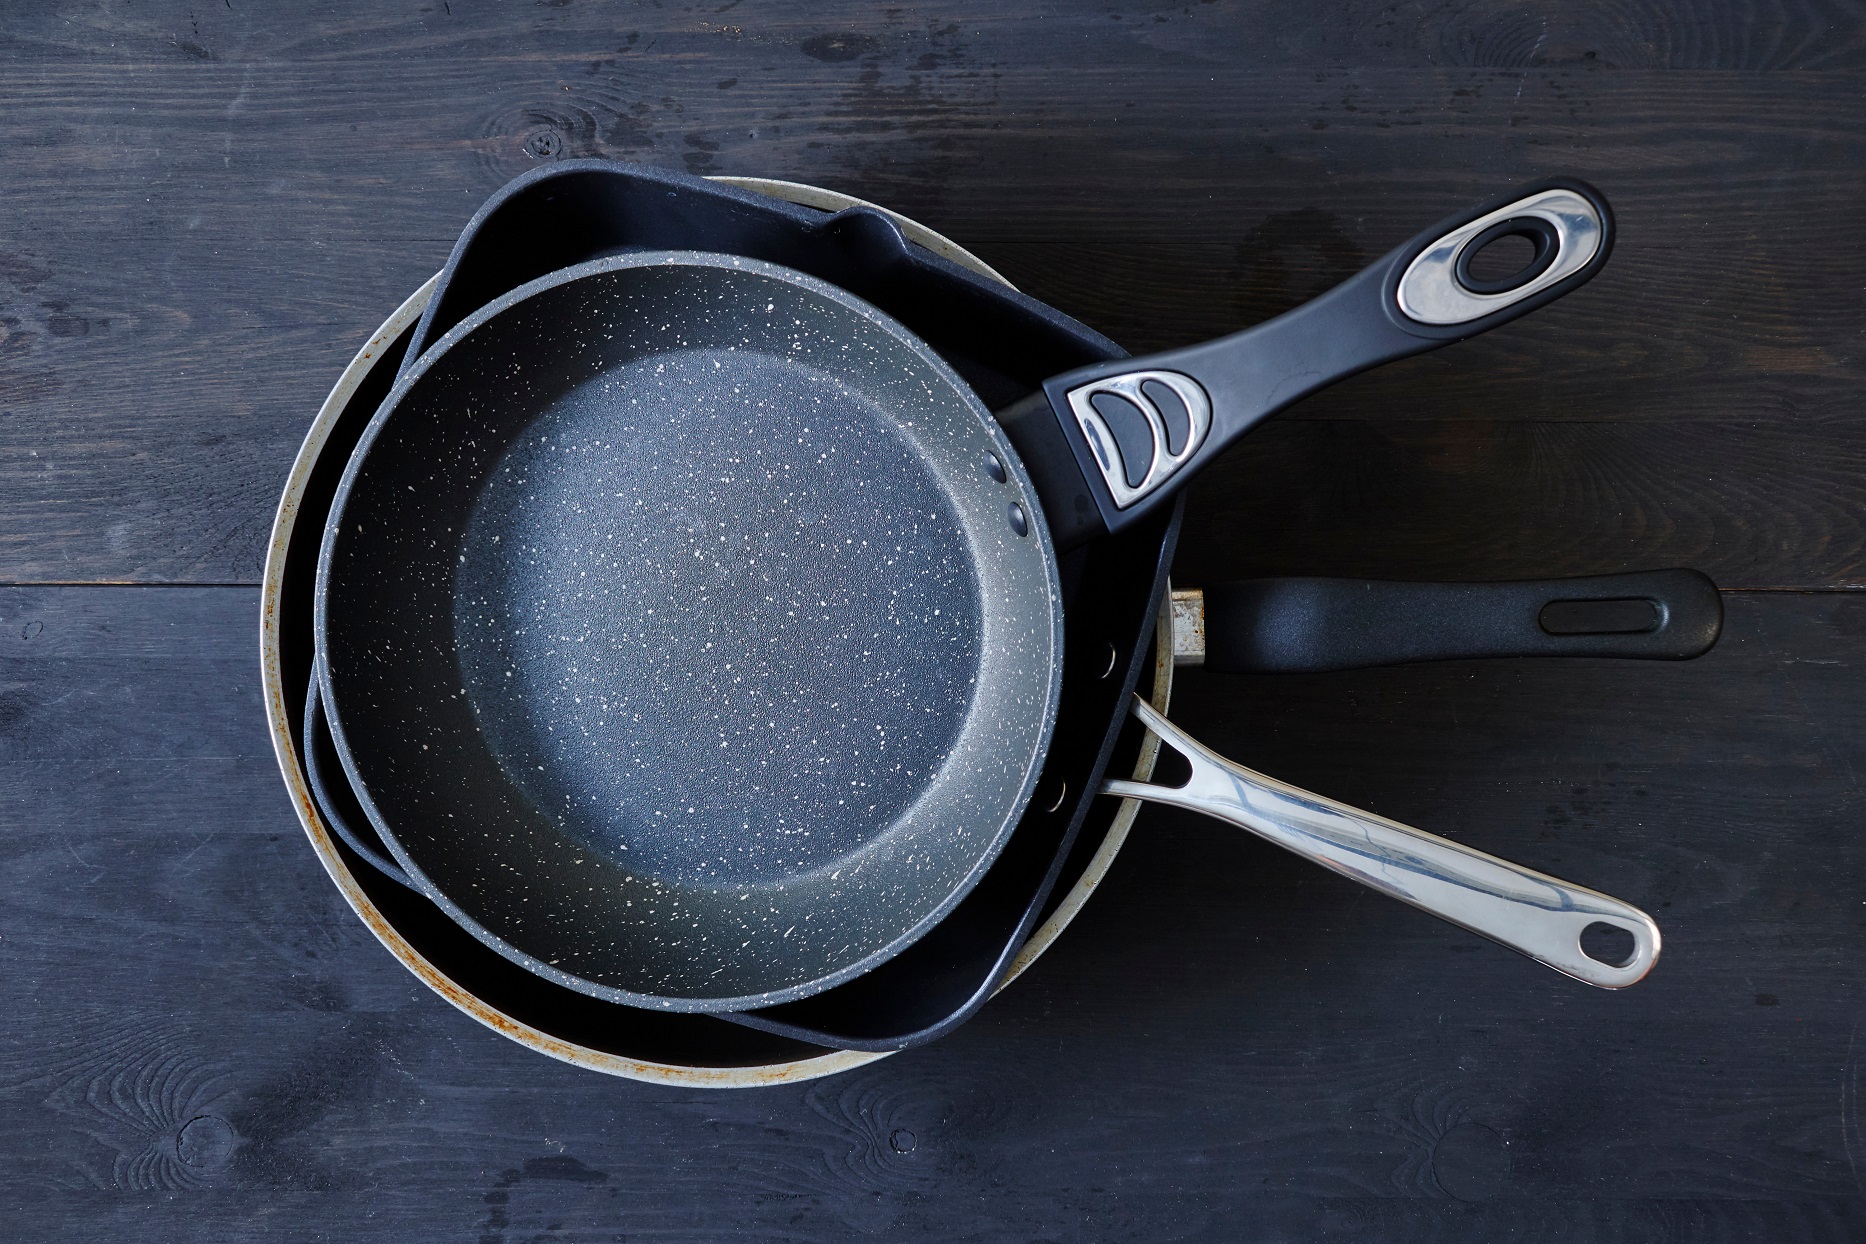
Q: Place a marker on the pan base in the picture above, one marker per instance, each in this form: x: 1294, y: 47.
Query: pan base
x: 717, y: 617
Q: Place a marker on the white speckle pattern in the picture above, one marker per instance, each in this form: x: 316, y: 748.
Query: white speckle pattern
x: 714, y: 613
x: 655, y: 600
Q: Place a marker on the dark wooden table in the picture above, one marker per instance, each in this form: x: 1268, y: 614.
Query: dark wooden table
x: 204, y: 208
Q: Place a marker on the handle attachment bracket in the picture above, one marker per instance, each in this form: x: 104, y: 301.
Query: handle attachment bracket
x: 1130, y: 389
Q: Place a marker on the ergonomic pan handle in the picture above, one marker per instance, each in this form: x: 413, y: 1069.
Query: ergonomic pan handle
x: 1309, y: 625
x: 1528, y: 911
x: 1104, y: 444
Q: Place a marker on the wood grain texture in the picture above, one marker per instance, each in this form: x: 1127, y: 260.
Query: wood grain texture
x: 198, y: 1040
x: 209, y: 207
x: 1663, y: 34
x: 1755, y: 505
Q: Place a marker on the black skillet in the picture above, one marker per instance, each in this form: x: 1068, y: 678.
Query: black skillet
x: 1116, y: 578
x: 516, y: 434
x: 661, y: 658
x: 1000, y: 342
x: 904, y: 998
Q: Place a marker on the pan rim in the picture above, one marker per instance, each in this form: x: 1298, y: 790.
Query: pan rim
x: 1032, y: 766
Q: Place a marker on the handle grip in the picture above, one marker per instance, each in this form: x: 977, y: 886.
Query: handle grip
x: 1309, y: 625
x: 1137, y: 429
x: 1528, y: 911
x: 335, y: 800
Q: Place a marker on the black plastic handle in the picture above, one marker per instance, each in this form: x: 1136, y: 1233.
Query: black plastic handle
x: 335, y: 800
x: 1105, y: 444
x: 1312, y: 625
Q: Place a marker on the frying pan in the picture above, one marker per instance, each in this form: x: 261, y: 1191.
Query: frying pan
x: 861, y: 688
x: 547, y: 875
x: 660, y: 1046
x: 597, y: 207
x: 1001, y: 342
x: 1257, y: 626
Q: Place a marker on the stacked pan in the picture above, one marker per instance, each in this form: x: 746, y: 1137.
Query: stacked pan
x: 702, y: 623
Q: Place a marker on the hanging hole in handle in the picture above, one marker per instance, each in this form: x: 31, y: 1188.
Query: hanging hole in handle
x: 1171, y: 769
x: 1502, y: 259
x: 1510, y: 267
x: 1600, y: 617
x: 1608, y: 943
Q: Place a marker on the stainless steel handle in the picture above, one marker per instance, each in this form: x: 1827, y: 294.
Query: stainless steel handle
x: 1432, y: 292
x: 1525, y: 910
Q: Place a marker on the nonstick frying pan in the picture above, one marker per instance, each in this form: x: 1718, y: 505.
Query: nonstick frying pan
x: 1002, y: 343
x: 890, y: 597
x: 673, y: 921
x: 691, y: 1049
x: 995, y: 337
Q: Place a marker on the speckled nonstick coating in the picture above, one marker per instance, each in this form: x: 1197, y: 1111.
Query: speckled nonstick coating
x: 688, y: 631
x: 1002, y: 344
x: 658, y: 1046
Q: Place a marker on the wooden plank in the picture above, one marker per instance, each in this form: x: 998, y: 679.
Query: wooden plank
x: 196, y: 244
x: 1756, y: 505
x: 1728, y: 34
x: 197, y: 1037
x: 208, y: 207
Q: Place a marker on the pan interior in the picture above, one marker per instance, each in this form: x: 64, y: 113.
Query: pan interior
x: 718, y: 617
x: 675, y: 635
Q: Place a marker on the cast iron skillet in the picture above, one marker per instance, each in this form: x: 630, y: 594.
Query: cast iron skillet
x: 899, y: 521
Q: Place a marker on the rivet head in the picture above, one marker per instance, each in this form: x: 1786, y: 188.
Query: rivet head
x: 994, y: 466
x: 1020, y: 522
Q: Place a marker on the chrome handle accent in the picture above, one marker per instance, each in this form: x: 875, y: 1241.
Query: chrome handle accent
x: 1431, y: 293
x: 1525, y: 910
x: 1100, y: 437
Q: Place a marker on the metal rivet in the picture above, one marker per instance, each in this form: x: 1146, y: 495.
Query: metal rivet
x: 1019, y: 522
x: 994, y: 466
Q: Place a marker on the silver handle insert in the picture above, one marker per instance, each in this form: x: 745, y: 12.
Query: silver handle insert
x: 1541, y: 916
